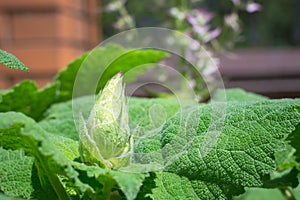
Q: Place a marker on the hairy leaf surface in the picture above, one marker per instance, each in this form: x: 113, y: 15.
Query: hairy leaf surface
x: 26, y: 98
x: 11, y: 61
x: 244, y: 149
x: 237, y: 94
x: 15, y: 173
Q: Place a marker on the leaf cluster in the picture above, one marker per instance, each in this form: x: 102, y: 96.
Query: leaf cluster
x: 203, y: 153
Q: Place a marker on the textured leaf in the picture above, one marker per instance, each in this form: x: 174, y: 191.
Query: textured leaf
x: 150, y: 114
x: 26, y: 98
x: 15, y: 173
x: 11, y: 61
x: 129, y: 183
x: 66, y: 146
x: 34, y: 141
x: 244, y: 151
x: 171, y: 186
x: 59, y: 121
x: 59, y: 118
x: 237, y: 95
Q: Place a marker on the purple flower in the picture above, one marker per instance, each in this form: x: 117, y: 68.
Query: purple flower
x: 200, y: 29
x: 215, y: 33
x: 253, y: 7
x: 191, y: 19
x: 205, y: 14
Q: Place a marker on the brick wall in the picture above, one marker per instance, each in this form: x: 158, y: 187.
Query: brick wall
x: 46, y: 35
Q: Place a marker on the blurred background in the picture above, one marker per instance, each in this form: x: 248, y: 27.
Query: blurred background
x: 255, y: 42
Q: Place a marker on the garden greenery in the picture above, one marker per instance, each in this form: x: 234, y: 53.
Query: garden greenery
x: 216, y: 29
x: 44, y: 156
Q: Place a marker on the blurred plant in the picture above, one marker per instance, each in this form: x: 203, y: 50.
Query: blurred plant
x: 215, y: 29
x: 198, y: 18
x: 125, y: 21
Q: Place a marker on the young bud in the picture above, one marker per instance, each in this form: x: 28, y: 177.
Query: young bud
x: 105, y: 138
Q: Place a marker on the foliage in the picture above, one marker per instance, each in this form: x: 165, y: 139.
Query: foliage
x: 11, y: 61
x: 275, y: 26
x: 180, y: 149
x: 103, y: 63
x: 212, y: 25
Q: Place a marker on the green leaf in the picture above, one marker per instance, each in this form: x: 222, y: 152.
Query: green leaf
x: 149, y: 114
x: 294, y: 139
x: 284, y: 179
x: 50, y: 161
x: 11, y: 61
x: 102, y: 62
x: 127, y: 62
x: 129, y: 183
x: 26, y: 98
x: 59, y: 118
x: 263, y: 194
x: 245, y: 144
x: 237, y: 95
x: 286, y: 159
x: 66, y: 78
x: 15, y: 173
x: 171, y: 186
x: 66, y: 146
x: 7, y: 197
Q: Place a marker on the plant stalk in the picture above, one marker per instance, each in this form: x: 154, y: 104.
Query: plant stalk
x: 287, y: 193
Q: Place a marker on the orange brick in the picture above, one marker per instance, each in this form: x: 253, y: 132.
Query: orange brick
x: 45, y: 34
x: 5, y: 24
x: 93, y: 34
x: 49, y: 25
x: 71, y: 27
x: 66, y: 55
x: 25, y: 4
x: 2, y: 83
x: 34, y: 25
x: 5, y: 81
x: 40, y: 4
x: 93, y: 7
x: 74, y: 4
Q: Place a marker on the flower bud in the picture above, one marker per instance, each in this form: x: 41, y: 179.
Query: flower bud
x: 105, y: 138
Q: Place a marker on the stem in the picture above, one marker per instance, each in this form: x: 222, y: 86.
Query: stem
x: 109, y: 184
x: 287, y: 193
x: 56, y: 184
x: 59, y: 189
x: 45, y: 171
